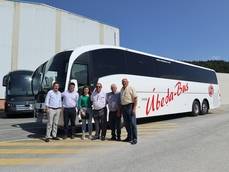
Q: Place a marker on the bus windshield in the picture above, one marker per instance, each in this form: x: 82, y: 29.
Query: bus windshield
x: 20, y: 84
x: 56, y: 70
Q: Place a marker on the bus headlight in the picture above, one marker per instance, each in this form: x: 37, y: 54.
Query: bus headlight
x: 10, y: 105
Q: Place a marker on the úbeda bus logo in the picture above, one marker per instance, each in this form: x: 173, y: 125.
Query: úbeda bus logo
x: 157, y: 101
x: 211, y: 90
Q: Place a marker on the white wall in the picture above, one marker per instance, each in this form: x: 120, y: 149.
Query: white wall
x: 77, y: 31
x: 223, y: 79
x: 36, y: 35
x: 6, y: 27
x: 41, y: 31
x: 111, y: 37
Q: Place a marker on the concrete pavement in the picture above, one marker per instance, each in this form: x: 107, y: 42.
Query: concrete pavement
x: 195, y: 144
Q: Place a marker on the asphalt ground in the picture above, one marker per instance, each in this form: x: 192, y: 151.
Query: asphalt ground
x: 169, y: 143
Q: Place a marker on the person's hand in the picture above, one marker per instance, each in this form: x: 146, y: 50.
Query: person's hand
x: 118, y: 114
x: 46, y: 110
x: 134, y: 110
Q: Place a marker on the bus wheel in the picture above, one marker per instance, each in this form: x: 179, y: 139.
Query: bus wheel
x: 8, y: 115
x: 195, y: 108
x: 204, y: 108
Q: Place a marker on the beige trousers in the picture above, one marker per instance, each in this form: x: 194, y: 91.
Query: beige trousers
x: 52, y: 124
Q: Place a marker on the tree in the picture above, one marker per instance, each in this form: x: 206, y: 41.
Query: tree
x: 217, y: 65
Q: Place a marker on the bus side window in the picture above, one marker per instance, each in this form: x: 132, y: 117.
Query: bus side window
x: 80, y: 73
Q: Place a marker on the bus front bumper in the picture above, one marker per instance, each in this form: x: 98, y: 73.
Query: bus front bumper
x: 19, y: 108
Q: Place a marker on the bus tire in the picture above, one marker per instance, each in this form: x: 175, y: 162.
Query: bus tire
x: 204, y: 107
x: 195, y: 108
x: 8, y: 115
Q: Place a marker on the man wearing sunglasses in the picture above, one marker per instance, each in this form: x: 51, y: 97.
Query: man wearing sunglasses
x: 98, y: 99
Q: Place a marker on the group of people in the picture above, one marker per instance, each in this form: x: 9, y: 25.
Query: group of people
x: 92, y: 106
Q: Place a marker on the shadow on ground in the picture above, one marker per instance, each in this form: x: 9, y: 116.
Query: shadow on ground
x: 37, y: 130
x: 16, y: 116
x: 163, y: 118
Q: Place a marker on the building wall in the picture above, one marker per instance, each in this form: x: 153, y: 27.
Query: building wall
x: 6, y: 29
x: 32, y: 33
x: 223, y: 79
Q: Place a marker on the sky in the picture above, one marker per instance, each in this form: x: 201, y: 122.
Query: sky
x: 178, y: 29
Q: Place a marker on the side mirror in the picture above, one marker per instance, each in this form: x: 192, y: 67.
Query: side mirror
x: 5, y: 81
x: 76, y: 84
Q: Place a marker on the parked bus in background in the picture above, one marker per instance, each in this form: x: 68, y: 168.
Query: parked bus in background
x: 163, y: 85
x: 18, y: 94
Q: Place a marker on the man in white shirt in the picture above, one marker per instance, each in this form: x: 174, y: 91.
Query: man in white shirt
x: 98, y: 99
x: 70, y: 100
x: 53, y: 108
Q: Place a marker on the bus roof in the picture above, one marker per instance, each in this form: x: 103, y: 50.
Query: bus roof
x: 20, y: 71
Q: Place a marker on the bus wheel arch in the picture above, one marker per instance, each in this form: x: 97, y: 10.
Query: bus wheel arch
x: 204, y: 107
x: 196, y: 107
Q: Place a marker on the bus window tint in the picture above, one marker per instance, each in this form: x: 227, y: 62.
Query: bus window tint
x: 138, y: 64
x: 80, y: 73
x: 165, y: 69
x: 37, y: 78
x: 114, y: 61
x: 179, y: 71
x: 20, y: 84
x: 56, y: 70
x: 191, y: 73
x: 108, y: 62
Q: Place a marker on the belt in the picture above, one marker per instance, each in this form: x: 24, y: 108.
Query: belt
x: 54, y: 108
x: 113, y: 111
x: 69, y: 107
x: 99, y: 109
x: 128, y: 104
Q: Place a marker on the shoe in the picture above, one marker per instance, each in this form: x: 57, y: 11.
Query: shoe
x: 90, y: 137
x: 113, y: 138
x: 56, y: 138
x: 102, y: 138
x: 72, y: 136
x: 126, y: 140
x: 65, y: 137
x: 83, y: 136
x: 95, y: 138
x: 133, y: 142
x: 47, y: 140
x: 118, y: 139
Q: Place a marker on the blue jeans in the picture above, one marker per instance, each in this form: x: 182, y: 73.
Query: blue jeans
x: 88, y: 120
x: 130, y: 121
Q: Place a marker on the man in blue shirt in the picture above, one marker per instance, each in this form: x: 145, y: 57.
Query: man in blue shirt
x: 113, y: 101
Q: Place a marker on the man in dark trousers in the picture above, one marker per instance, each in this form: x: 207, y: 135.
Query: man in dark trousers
x: 113, y: 101
x: 70, y: 99
x: 129, y: 103
x: 98, y: 99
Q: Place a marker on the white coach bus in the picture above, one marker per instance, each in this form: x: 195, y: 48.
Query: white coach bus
x: 163, y: 85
